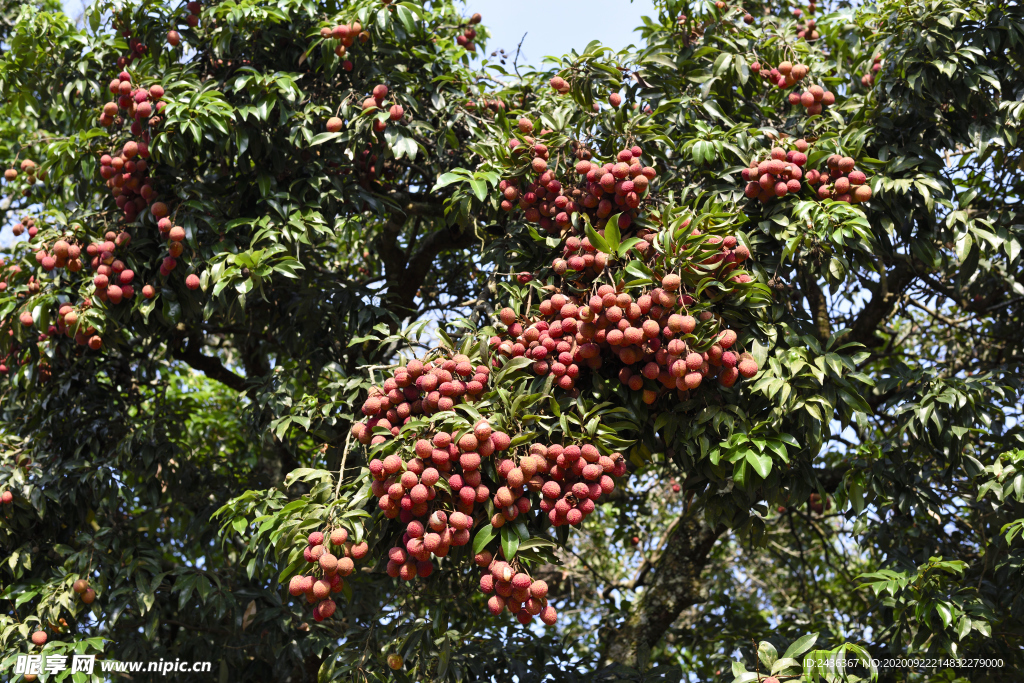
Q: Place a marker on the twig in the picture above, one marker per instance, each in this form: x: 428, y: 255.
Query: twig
x: 515, y: 62
x: 344, y: 457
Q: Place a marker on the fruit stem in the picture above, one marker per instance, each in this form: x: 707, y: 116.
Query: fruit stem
x: 344, y: 457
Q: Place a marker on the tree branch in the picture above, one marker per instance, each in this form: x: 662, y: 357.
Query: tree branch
x: 673, y: 585
x: 884, y: 298
x: 405, y: 276
x: 210, y: 366
x: 818, y: 306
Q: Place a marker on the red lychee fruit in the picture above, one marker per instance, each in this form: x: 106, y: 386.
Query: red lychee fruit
x: 192, y: 281
x: 39, y: 638
x: 380, y: 91
x: 615, y: 99
x: 326, y: 608
x: 862, y: 193
x: 495, y: 604
x: 334, y: 124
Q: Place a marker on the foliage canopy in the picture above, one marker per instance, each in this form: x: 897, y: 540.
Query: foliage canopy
x: 866, y: 485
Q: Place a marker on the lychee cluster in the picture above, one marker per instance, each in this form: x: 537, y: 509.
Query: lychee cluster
x: 326, y: 575
x: 812, y: 99
x: 436, y: 517
x: 486, y: 105
x: 656, y: 343
x: 436, y: 493
x: 113, y: 279
x: 126, y: 172
x: 579, y: 256
x: 175, y: 235
x: 786, y: 75
x: 26, y: 223
x: 776, y: 176
x: 345, y: 36
x: 512, y: 589
x: 808, y: 31
x: 571, y: 479
x: 68, y: 324
x: 465, y: 39
x: 418, y: 388
x: 63, y: 255
x: 840, y: 180
x: 84, y: 592
x: 194, y: 10
x: 551, y: 198
x: 30, y: 169
x: 560, y: 85
x: 372, y: 104
x: 868, y: 79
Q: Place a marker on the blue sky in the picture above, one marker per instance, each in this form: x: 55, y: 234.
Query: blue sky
x: 553, y: 27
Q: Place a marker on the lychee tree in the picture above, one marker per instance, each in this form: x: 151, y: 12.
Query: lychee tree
x: 334, y: 349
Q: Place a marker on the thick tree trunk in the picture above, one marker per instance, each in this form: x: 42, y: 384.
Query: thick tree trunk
x: 670, y: 586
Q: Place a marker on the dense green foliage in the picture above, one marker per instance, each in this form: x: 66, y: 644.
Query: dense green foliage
x: 866, y: 485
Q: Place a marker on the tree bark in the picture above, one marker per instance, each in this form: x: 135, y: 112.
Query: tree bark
x: 210, y: 366
x: 672, y: 585
x: 883, y: 302
x: 818, y: 306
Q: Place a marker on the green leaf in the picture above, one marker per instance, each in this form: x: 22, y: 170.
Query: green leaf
x: 447, y: 179
x: 800, y: 646
x: 479, y: 188
x: 596, y: 239
x: 322, y: 138
x: 766, y: 653
x: 509, y: 542
x: 762, y: 464
x: 484, y: 536
x: 611, y: 233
